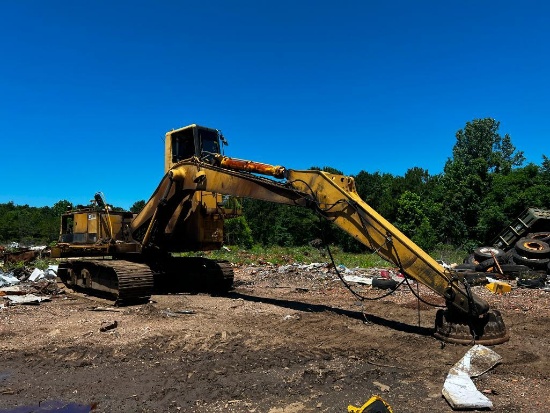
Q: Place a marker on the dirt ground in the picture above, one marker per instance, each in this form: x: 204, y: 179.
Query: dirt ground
x: 286, y: 340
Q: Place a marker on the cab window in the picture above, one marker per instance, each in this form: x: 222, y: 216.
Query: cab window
x: 183, y: 145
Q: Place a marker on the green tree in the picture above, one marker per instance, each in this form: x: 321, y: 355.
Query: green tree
x: 54, y: 218
x: 545, y: 170
x: 482, y: 149
x: 60, y: 207
x: 416, y: 180
x: 379, y: 191
x: 30, y: 225
x: 237, y: 232
x: 276, y: 224
x: 8, y: 222
x: 480, y: 154
x: 511, y: 194
x: 413, y: 220
x: 137, y: 206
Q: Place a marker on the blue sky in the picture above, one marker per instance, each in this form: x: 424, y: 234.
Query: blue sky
x: 88, y: 89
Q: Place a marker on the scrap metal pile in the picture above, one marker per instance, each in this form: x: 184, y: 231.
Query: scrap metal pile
x: 13, y: 291
x: 520, y: 252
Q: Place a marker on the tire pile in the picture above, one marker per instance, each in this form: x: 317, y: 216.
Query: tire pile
x: 528, y: 261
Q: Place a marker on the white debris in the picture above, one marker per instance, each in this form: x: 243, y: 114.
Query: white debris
x: 358, y: 279
x: 53, y: 268
x: 314, y: 265
x: 445, y: 265
x: 302, y: 267
x: 11, y: 290
x: 8, y: 279
x: 381, y: 386
x: 461, y: 393
x: 27, y: 299
x: 459, y: 390
x: 51, y: 271
x: 36, y: 275
x: 492, y: 280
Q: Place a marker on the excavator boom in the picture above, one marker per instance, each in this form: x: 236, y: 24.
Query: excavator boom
x: 332, y: 196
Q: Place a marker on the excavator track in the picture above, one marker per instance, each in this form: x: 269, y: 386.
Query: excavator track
x: 125, y: 281
x: 135, y: 282
x: 225, y: 275
x: 194, y: 274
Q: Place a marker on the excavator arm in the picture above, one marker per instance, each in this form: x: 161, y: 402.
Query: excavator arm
x: 333, y: 196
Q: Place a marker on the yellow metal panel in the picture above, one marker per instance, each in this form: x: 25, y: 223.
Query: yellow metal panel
x: 80, y: 225
x: 92, y: 222
x: 168, y: 147
x: 374, y: 405
x: 167, y: 152
x: 116, y: 224
x: 498, y: 287
x: 109, y: 223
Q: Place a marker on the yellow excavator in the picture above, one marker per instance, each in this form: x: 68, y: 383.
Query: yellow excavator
x: 125, y: 256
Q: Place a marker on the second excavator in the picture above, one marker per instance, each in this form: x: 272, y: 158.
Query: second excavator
x: 125, y: 256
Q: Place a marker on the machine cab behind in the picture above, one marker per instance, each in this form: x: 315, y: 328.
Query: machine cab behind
x: 202, y: 228
x: 190, y: 141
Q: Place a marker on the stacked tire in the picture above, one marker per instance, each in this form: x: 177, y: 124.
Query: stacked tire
x: 483, y: 258
x: 528, y: 261
x: 533, y: 251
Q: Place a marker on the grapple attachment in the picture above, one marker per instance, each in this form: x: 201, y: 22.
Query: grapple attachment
x: 456, y: 327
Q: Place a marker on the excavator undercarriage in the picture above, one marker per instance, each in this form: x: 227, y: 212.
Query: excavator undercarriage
x: 126, y: 282
x: 133, y: 255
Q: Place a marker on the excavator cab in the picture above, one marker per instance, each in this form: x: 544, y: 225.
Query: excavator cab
x: 191, y: 141
x: 201, y: 226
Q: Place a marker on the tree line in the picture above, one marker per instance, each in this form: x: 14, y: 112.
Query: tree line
x: 30, y: 225
x: 484, y: 185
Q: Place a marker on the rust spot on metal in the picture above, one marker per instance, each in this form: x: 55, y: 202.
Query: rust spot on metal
x: 22, y: 256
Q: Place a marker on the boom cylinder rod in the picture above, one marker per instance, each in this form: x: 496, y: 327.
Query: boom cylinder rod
x: 251, y: 166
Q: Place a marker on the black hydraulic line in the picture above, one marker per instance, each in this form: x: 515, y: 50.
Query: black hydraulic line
x: 350, y: 289
x: 314, y: 201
